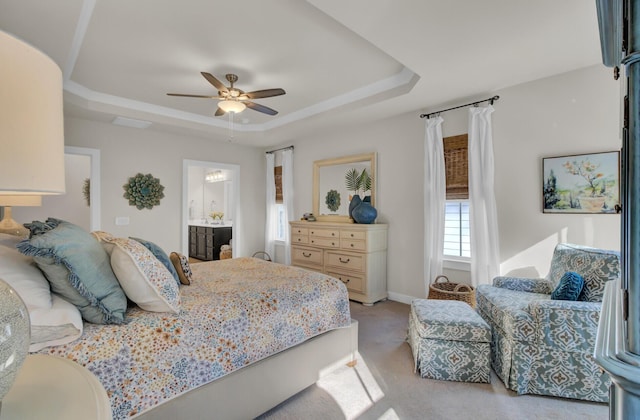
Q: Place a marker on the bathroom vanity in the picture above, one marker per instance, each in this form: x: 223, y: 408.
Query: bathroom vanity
x: 205, y: 240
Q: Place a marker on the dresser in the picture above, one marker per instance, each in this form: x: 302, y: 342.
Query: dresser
x: 205, y: 241
x: 353, y: 253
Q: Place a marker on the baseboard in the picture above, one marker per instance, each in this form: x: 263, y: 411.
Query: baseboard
x: 399, y: 297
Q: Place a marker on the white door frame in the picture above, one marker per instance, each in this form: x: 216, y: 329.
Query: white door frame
x: 94, y: 192
x: 236, y: 228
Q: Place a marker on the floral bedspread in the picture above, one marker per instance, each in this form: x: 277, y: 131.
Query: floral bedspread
x: 235, y: 312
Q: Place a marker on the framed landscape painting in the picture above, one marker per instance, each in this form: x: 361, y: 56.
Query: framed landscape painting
x: 587, y: 183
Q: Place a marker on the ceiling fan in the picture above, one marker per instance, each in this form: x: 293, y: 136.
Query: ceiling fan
x: 233, y: 99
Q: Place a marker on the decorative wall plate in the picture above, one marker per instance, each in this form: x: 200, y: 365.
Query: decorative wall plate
x: 333, y: 200
x: 143, y: 191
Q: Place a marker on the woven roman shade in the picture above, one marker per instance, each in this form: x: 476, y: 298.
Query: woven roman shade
x: 456, y: 162
x: 277, y: 172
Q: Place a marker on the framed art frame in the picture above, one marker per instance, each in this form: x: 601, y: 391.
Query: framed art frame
x: 587, y: 183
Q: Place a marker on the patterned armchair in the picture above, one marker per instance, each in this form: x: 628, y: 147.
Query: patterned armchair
x: 543, y: 346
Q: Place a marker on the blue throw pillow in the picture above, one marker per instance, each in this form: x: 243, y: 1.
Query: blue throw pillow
x: 78, y: 268
x: 160, y: 255
x: 569, y: 287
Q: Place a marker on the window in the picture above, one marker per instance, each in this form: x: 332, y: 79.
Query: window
x: 456, y: 219
x: 282, y: 222
x: 456, y: 229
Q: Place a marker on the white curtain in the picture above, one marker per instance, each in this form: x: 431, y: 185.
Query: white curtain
x: 271, y: 224
x: 482, y: 213
x: 434, y: 200
x: 287, y: 198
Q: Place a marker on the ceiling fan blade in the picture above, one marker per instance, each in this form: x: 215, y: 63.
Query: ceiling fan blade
x: 260, y: 108
x: 193, y: 96
x: 266, y: 93
x: 215, y: 82
x: 219, y: 112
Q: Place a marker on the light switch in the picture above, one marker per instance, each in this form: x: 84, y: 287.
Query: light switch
x: 122, y: 221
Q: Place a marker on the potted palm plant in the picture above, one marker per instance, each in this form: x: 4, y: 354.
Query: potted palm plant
x: 360, y: 181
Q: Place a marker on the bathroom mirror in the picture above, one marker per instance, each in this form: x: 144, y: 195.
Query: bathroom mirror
x: 330, y: 195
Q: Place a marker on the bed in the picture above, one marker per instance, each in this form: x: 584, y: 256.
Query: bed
x: 248, y: 335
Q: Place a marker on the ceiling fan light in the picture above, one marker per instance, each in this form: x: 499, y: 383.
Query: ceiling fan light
x: 231, y: 106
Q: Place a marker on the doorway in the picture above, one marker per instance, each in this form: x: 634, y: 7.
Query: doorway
x: 208, y: 189
x: 80, y: 204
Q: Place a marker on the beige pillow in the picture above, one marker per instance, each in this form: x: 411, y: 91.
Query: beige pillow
x: 144, y: 279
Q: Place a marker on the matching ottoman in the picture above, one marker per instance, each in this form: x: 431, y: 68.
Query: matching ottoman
x: 449, y: 341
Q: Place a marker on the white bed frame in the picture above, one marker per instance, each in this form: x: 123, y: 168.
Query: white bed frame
x: 250, y: 391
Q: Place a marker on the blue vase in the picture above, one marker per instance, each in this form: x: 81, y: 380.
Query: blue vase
x: 355, y: 202
x: 365, y: 213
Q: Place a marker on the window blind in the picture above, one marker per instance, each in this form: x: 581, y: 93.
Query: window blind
x: 456, y: 162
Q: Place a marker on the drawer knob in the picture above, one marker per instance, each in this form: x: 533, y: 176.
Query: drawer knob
x: 351, y: 245
x: 344, y: 281
x: 344, y: 261
x: 304, y: 254
x: 313, y: 242
x: 333, y: 234
x: 352, y: 235
x: 333, y: 244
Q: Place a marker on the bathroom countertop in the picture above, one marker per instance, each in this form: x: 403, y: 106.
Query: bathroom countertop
x: 209, y: 224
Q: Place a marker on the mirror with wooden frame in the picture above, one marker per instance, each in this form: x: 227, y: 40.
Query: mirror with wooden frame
x: 330, y: 194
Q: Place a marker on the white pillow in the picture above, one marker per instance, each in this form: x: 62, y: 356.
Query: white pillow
x: 60, y: 324
x: 144, y: 279
x: 22, y: 273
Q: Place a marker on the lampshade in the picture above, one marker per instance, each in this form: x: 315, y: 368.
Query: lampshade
x: 232, y: 106
x: 31, y: 121
x: 31, y: 164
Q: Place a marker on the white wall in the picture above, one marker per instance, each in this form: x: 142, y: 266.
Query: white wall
x: 577, y: 112
x: 70, y: 206
x: 572, y: 113
x: 127, y: 151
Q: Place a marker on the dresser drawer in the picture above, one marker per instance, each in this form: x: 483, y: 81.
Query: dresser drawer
x: 353, y: 282
x: 343, y: 260
x: 353, y: 234
x: 324, y: 242
x: 299, y: 239
x: 324, y: 233
x: 306, y: 256
x: 299, y: 231
x: 353, y: 244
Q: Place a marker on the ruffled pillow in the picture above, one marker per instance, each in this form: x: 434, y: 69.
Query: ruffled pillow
x: 77, y: 268
x: 569, y: 287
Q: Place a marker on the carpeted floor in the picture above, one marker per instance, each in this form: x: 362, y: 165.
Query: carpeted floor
x: 383, y: 385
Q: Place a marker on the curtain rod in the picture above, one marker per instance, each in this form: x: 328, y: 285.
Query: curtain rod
x: 282, y: 148
x: 490, y: 100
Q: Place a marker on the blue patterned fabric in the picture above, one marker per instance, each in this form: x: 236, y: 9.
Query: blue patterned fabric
x: 543, y: 346
x: 596, y: 266
x: 523, y: 284
x: 450, y: 341
x: 569, y: 288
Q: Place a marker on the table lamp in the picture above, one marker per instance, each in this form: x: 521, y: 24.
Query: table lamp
x: 7, y: 224
x: 31, y: 165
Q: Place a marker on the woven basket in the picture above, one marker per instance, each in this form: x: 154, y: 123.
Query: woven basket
x: 446, y: 290
x: 225, y: 252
